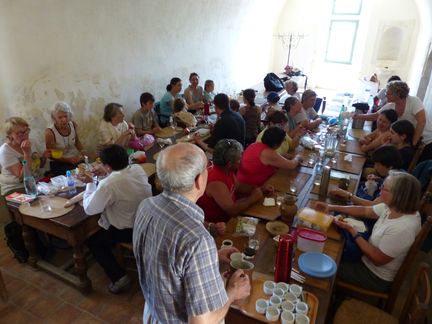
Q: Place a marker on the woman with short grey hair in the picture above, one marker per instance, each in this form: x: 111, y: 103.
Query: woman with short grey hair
x: 62, y: 135
x: 113, y: 129
x: 219, y: 201
x: 397, y: 225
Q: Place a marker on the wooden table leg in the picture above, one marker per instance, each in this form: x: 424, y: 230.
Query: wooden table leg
x: 81, y: 268
x: 30, y: 244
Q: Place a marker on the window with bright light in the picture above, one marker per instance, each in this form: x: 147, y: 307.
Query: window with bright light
x: 343, y: 31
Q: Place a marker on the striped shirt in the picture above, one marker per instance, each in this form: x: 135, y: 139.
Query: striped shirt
x: 177, y: 260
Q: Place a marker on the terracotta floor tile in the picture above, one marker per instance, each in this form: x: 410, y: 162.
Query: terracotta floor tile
x: 27, y: 296
x: 15, y: 315
x: 66, y: 314
x: 86, y: 318
x: 71, y: 295
x: 115, y: 312
x: 44, y: 306
x: 13, y: 285
x: 93, y: 302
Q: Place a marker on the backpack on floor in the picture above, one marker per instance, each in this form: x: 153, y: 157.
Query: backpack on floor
x: 15, y: 241
x: 273, y: 83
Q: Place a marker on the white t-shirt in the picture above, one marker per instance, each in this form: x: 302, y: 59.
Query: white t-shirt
x: 117, y: 197
x: 109, y: 134
x: 8, y: 158
x: 393, y: 237
x: 412, y: 107
x: 311, y: 113
x: 301, y: 116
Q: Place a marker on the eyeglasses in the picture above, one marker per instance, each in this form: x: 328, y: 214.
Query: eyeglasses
x: 21, y: 133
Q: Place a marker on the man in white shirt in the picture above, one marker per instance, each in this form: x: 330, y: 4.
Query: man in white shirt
x: 117, y: 198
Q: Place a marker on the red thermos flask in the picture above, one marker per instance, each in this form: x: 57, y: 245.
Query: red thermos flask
x: 284, y: 258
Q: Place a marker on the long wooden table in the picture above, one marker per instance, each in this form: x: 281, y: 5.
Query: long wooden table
x: 307, y: 195
x: 75, y: 227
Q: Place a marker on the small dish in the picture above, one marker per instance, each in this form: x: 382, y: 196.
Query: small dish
x: 277, y: 228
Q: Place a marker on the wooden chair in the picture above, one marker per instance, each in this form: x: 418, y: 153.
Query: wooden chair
x: 389, y: 297
x: 415, y: 308
x: 3, y: 291
x: 419, y: 150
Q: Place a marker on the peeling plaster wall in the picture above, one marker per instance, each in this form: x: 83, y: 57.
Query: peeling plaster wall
x: 90, y: 53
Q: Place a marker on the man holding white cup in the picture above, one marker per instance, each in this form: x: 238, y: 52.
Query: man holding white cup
x: 176, y: 256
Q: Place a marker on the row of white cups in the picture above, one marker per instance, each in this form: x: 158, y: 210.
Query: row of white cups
x: 284, y: 302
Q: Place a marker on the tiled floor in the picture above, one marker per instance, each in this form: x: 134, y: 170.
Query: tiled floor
x: 36, y: 297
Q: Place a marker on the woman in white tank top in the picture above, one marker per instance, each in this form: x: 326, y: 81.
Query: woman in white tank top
x: 63, y: 135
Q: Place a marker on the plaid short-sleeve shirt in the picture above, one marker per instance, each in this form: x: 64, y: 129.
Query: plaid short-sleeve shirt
x: 177, y: 259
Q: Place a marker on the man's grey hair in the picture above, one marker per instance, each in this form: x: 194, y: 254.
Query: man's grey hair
x: 61, y: 106
x: 178, y: 173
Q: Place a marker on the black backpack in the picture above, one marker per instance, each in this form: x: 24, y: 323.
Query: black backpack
x: 273, y: 83
x: 14, y: 240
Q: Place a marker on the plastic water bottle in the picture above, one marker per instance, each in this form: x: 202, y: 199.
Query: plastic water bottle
x: 29, y: 181
x: 341, y: 115
x: 70, y: 183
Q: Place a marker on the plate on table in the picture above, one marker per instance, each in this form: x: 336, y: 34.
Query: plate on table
x: 317, y: 264
x: 277, y: 228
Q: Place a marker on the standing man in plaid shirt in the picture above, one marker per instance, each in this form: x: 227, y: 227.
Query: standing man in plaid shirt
x: 177, y: 259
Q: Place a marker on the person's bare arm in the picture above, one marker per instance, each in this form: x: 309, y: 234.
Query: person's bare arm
x: 220, y: 193
x: 78, y: 144
x: 372, y: 252
x: 273, y: 158
x: 238, y: 288
x: 421, y: 123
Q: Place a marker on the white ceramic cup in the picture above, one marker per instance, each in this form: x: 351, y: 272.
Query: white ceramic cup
x: 287, y: 317
x: 226, y: 244
x: 261, y: 306
x: 289, y: 296
x: 301, y: 308
x: 302, y: 319
x: 296, y: 290
x: 278, y: 292
x: 282, y: 285
x: 269, y: 287
x: 275, y: 301
x: 288, y: 306
x: 272, y: 313
x: 236, y: 256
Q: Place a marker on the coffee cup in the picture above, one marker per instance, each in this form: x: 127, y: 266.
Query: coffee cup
x: 272, y: 313
x: 269, y: 286
x: 296, y: 290
x: 288, y: 306
x: 287, y: 317
x: 301, y: 308
x: 278, y: 292
x: 291, y: 297
x: 226, y: 244
x: 236, y: 256
x: 284, y: 286
x: 302, y: 319
x: 275, y: 301
x: 261, y: 306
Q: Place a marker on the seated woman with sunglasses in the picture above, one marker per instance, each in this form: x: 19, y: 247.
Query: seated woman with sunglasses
x: 398, y: 223
x: 16, y: 149
x: 219, y: 201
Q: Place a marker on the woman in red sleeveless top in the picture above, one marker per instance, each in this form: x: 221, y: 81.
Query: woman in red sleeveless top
x: 261, y: 160
x: 219, y: 200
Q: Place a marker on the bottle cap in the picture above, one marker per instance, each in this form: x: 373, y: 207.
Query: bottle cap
x: 68, y: 173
